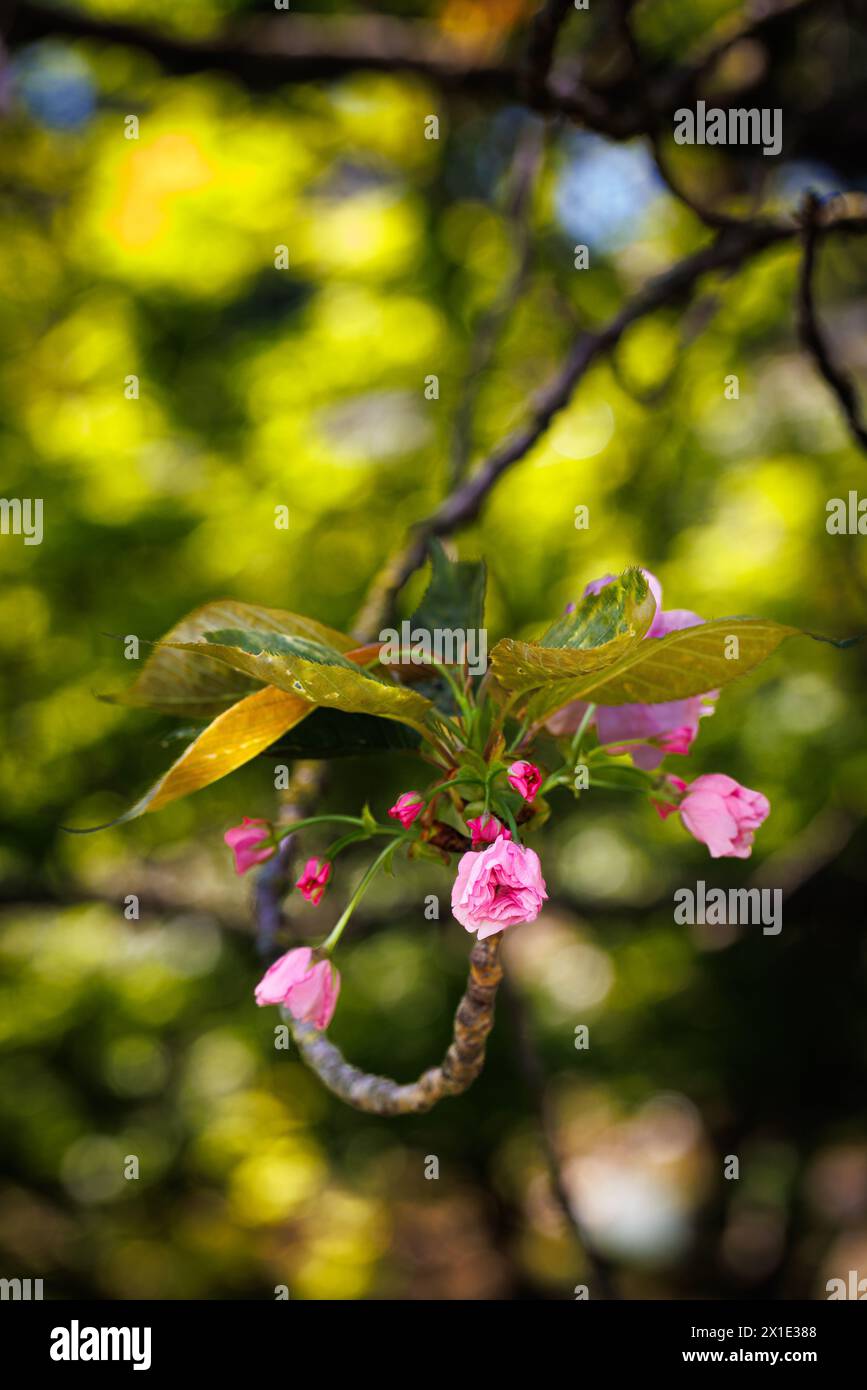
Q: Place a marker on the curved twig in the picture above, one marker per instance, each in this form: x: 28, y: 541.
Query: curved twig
x: 813, y: 335
x: 379, y: 1095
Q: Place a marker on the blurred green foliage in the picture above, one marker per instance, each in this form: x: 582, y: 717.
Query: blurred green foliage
x: 304, y: 388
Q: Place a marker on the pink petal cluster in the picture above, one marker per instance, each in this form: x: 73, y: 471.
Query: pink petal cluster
x: 243, y: 840
x: 669, y: 726
x: 406, y: 808
x: 485, y: 829
x: 308, y: 991
x: 723, y: 815
x: 720, y: 813
x: 525, y: 778
x: 313, y: 879
x: 676, y: 740
x: 498, y: 887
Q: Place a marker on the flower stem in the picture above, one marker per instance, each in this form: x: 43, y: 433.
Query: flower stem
x: 354, y: 835
x: 578, y: 738
x: 369, y: 875
x: 617, y: 743
x: 295, y: 825
x: 463, y: 702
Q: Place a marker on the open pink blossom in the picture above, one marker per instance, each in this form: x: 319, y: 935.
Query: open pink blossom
x: 309, y: 991
x: 406, y: 808
x: 655, y: 722
x: 246, y: 843
x: 498, y: 887
x: 525, y: 778
x: 312, y: 882
x: 485, y: 829
x: 723, y: 815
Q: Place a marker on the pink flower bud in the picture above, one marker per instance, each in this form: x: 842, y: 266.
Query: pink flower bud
x: 407, y: 807
x: 309, y: 991
x: 723, y: 815
x: 498, y: 887
x: 485, y: 829
x: 312, y: 882
x: 246, y: 843
x: 526, y: 779
x: 676, y: 740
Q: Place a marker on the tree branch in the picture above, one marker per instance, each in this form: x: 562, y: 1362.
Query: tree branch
x: 544, y: 31
x: 525, y: 166
x: 264, y: 53
x: 379, y: 1095
x: 811, y: 332
x: 735, y: 244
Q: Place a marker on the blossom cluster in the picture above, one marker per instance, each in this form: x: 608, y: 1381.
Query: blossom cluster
x: 495, y: 797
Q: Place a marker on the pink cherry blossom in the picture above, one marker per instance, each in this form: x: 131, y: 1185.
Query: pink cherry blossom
x: 406, y: 808
x: 498, y: 887
x: 309, y: 991
x: 654, y: 722
x: 723, y: 815
x: 312, y: 882
x: 525, y: 778
x: 246, y: 843
x: 485, y: 829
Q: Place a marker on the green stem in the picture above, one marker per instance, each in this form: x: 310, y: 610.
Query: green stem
x: 355, y: 835
x: 513, y: 825
x: 289, y: 829
x: 454, y: 782
x: 559, y: 778
x: 463, y: 702
x: 369, y: 875
x: 618, y: 743
x: 615, y: 787
x: 501, y: 716
x: 515, y: 745
x: 578, y: 737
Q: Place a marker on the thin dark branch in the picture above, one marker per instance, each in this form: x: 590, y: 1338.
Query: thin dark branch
x: 652, y: 120
x: 533, y: 1073
x: 264, y: 53
x: 542, y: 41
x: 274, y: 879
x: 811, y: 332
x: 732, y: 247
x: 741, y: 28
x: 525, y: 167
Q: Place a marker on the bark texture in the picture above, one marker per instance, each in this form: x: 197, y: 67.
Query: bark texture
x: 380, y: 1095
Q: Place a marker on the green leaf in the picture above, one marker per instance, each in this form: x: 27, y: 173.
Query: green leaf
x: 455, y: 595
x: 189, y: 684
x: 278, y: 644
x: 623, y: 608
x: 603, y: 628
x: 321, y: 677
x: 329, y: 733
x: 690, y: 662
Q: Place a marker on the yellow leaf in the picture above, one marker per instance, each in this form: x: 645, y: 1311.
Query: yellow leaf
x: 234, y: 737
